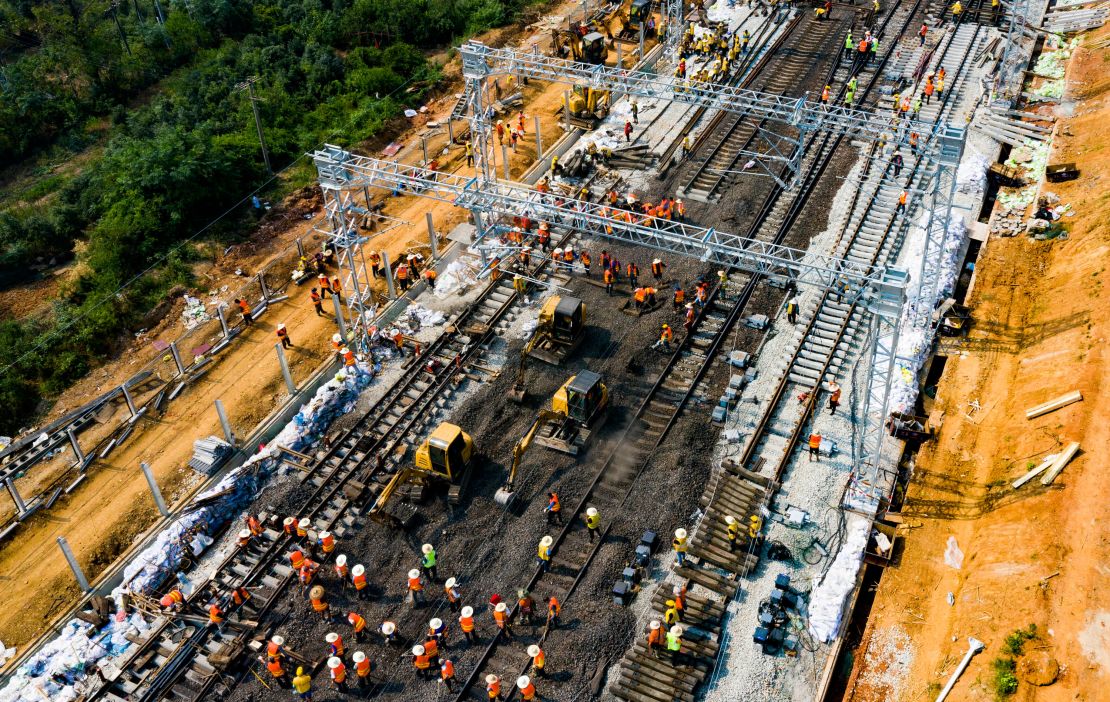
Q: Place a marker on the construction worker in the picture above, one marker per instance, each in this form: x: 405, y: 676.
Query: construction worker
x: 525, y: 606
x: 470, y: 148
x: 316, y: 303
x: 608, y: 277
x: 666, y: 335
x: 543, y: 553
x: 814, y: 447
x: 554, y: 509
x: 755, y: 524
x: 792, y: 309
x: 337, y: 288
x: 451, y: 590
x: 403, y: 277
x: 553, y: 611
x: 680, y: 210
x: 358, y: 623
x: 896, y: 161
x: 674, y: 640
x: 296, y: 560
x: 172, y: 601
x: 722, y: 283
x: 388, y: 630
x: 240, y: 596
x: 415, y: 588
x: 655, y: 637
x: 276, y: 667
x: 633, y: 274
x: 638, y: 297
x: 466, y: 623
x: 325, y: 285
x: 691, y: 317
x: 306, y: 574
x: 428, y: 562
x: 733, y: 526
x: 302, y: 685
x: 679, y: 592
x: 678, y: 298
x: 335, y: 644
x: 421, y: 662
x: 431, y: 647
x: 493, y: 687
x: 216, y: 619
x: 834, y: 396
x: 527, y: 689
x: 275, y: 648
x: 825, y: 93
x: 437, y: 630
x: 447, y: 674
x: 254, y: 525
x: 338, y: 673
x: 928, y: 90
x: 325, y: 540
x: 363, y: 667
x: 342, y: 570
x: 593, y: 522
x: 902, y: 197
x: 283, y: 335
x: 657, y: 268
x: 358, y: 579
x: 584, y: 258
x: 670, y: 615
x: 679, y: 546
x: 957, y: 11
x: 628, y: 132
x: 303, y: 525
x: 319, y: 604
x: 502, y: 620
x: 245, y: 309
x: 520, y: 284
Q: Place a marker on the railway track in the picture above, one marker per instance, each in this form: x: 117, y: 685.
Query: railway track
x: 183, y: 660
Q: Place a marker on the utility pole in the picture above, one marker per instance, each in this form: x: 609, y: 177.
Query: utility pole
x: 115, y: 16
x: 248, y: 85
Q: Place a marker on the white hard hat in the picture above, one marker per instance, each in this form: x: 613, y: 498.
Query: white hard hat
x: 344, y: 350
x: 720, y: 272
x: 358, y: 569
x: 414, y: 573
x: 654, y: 624
x: 680, y: 533
x: 569, y: 248
x: 277, y: 640
x: 334, y: 662
x: 388, y: 628
x: 244, y: 533
x: 590, y: 511
x: 491, y: 679
x: 655, y: 260
x: 288, y: 520
x: 281, y: 326
x: 518, y: 276
x: 533, y: 650
x: 468, y: 611
x: 341, y: 560
x: 418, y: 650
x: 304, y: 523
x: 501, y: 607
x: 325, y: 534
x: 677, y: 590
x: 676, y: 630
x: 547, y: 541
x: 435, y: 623
x: 427, y: 548
x: 522, y: 682
x: 450, y: 582
x: 729, y: 519
x: 358, y: 656
x: 336, y: 338
x: 332, y: 637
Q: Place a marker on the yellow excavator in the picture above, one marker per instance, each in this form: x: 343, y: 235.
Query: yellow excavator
x: 445, y: 458
x: 625, y: 24
x: 577, y: 410
x: 578, y: 45
x: 561, y: 327
x: 587, y: 106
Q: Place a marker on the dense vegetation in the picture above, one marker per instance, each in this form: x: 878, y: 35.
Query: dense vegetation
x: 168, y: 142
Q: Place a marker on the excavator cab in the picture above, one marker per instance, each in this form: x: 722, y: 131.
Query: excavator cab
x: 581, y: 397
x: 593, y: 49
x: 638, y: 13
x: 565, y: 317
x: 446, y: 453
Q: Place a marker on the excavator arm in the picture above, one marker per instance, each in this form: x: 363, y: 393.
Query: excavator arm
x: 377, y: 512
x: 506, y: 492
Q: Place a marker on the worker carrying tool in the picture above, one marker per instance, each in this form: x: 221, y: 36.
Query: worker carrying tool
x: 428, y: 562
x: 493, y: 687
x: 666, y: 335
x: 447, y: 674
x: 553, y: 510
x: 302, y: 685
x: 338, y: 673
x: 593, y: 522
x: 502, y: 620
x: 276, y: 666
x: 363, y: 667
x: 525, y: 606
x: 466, y: 623
x: 679, y: 546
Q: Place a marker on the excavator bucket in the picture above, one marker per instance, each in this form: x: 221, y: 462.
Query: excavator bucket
x: 504, y: 497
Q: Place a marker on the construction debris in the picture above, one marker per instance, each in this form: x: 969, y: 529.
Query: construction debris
x: 1053, y: 405
x: 209, y: 454
x: 1062, y: 460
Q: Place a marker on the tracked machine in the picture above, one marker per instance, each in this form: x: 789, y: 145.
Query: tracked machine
x: 445, y: 459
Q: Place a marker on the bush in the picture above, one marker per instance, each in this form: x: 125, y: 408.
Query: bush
x: 1014, y: 644
x: 1005, y: 682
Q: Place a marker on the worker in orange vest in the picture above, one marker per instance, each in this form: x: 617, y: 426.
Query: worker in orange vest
x: 275, y: 647
x: 388, y: 630
x: 325, y: 285
x: 338, y: 673
x: 415, y: 588
x: 657, y: 267
x: 554, y: 509
x: 245, y: 538
x: 306, y: 574
x: 326, y: 541
x: 302, y: 528
x: 493, y: 687
x: 240, y: 596
x: 466, y: 623
x: 553, y: 610
x: 608, y: 277
x: 431, y: 647
x: 254, y: 525
x: 319, y: 604
x: 527, y: 689
x: 283, y: 335
x: 691, y: 316
x: 447, y: 674
x: 655, y: 637
x: 666, y: 335
x: 403, y: 276
x: 289, y: 526
x: 451, y: 590
x: 348, y: 357
x: 902, y: 197
x: 814, y: 447
x: 335, y: 644
x: 825, y: 94
x: 277, y: 670
x: 216, y: 619
x: 172, y: 601
x: 342, y: 570
x: 362, y: 668
x: 421, y: 662
x: 358, y: 577
x: 337, y: 288
x: 358, y: 622
x: 585, y: 259
x: 538, y: 660
x: 638, y: 298
x: 245, y: 309
x: 501, y: 619
x: 633, y: 273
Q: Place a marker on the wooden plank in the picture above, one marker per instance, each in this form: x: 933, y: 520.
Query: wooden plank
x: 1053, y: 405
x: 1062, y: 460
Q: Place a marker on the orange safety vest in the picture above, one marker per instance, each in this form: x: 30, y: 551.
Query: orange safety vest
x: 431, y: 648
x: 319, y: 605
x: 815, y: 441
x: 336, y: 285
x: 362, y: 668
x: 360, y: 581
x: 172, y: 597
x: 246, y: 309
x: 290, y: 527
x: 422, y: 662
x: 538, y: 660
x: 585, y: 259
x: 254, y: 525
x: 452, y: 594
x: 339, y: 674
x: 273, y: 650
x: 348, y: 360
x: 466, y: 623
x: 306, y: 574
x: 240, y: 595
x: 679, y: 296
x: 902, y: 198
x: 402, y: 272
x: 357, y: 621
x: 608, y: 276
x: 447, y: 670
x: 274, y: 666
x: 296, y: 559
x: 500, y: 618
x: 325, y: 284
x: 553, y: 606
x: 528, y: 693
x: 655, y: 637
x: 300, y: 532
x: 639, y: 295
x: 633, y: 269
x: 281, y: 334
x: 328, y: 542
x: 341, y: 571
x: 415, y: 585
x: 337, y: 647
x: 657, y: 268
x: 494, y: 689
x: 667, y: 334
x: 825, y: 93
x: 215, y: 614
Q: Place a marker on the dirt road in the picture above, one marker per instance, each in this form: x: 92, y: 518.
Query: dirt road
x: 1036, y: 555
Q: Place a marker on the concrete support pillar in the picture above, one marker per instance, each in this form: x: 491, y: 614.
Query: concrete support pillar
x: 176, y: 358
x: 566, y: 110
x: 289, y: 384
x: 20, y: 505
x: 77, y: 452
x: 433, y: 240
x: 79, y: 574
x: 387, y: 270
x: 505, y: 159
x: 450, y: 132
x: 228, y: 433
x: 539, y: 140
x: 339, y: 321
x: 130, y: 400
x: 642, y: 24
x: 158, y: 501
x: 223, y: 319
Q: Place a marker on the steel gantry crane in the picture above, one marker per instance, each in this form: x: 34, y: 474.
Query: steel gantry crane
x: 882, y: 291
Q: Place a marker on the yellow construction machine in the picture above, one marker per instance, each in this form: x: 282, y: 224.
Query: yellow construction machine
x: 559, y: 331
x: 577, y: 411
x: 587, y: 106
x: 445, y: 458
x: 579, y: 45
x: 625, y: 24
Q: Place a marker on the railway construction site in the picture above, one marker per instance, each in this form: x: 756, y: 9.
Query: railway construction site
x: 723, y: 352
